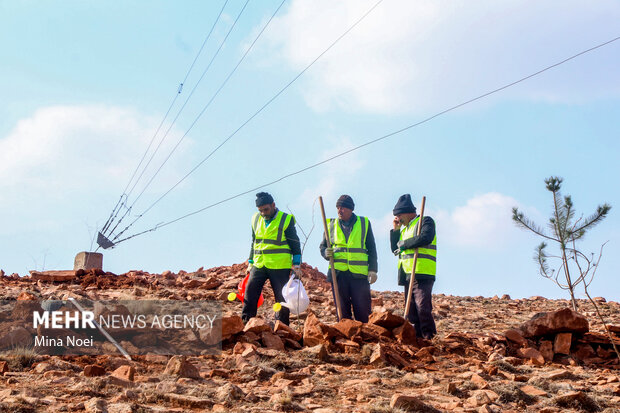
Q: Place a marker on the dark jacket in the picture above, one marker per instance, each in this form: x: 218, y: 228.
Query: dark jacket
x: 291, y: 236
x: 427, y: 234
x: 370, y: 242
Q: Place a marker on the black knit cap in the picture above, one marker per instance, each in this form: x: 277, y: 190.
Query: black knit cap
x: 345, y: 201
x: 263, y: 198
x: 404, y: 205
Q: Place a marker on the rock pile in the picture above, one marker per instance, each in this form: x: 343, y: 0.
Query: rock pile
x: 554, y: 336
x: 516, y: 355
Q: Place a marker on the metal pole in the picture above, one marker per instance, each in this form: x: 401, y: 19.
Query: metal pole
x: 105, y: 333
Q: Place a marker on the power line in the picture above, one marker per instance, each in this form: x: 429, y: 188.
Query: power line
x: 376, y: 139
x: 183, y: 107
x: 249, y: 119
x: 172, y: 124
x: 116, y: 209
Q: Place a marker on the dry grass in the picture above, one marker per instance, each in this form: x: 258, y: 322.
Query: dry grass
x: 509, y: 393
x: 19, y: 358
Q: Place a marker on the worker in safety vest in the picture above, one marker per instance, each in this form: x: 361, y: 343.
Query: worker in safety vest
x: 352, y: 245
x: 274, y: 256
x: 404, y: 241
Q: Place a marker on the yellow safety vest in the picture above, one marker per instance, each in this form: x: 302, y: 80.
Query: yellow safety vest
x: 350, y: 255
x: 427, y: 254
x: 271, y: 248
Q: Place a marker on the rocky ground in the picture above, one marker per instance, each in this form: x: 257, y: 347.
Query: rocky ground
x: 491, y: 355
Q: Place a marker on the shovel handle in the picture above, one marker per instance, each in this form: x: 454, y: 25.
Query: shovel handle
x: 331, y: 261
x: 415, y: 260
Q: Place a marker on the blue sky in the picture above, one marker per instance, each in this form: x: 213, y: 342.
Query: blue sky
x: 83, y: 87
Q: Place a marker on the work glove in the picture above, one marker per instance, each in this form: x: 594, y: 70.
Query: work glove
x: 250, y: 265
x: 372, y: 277
x: 400, y: 244
x: 329, y: 253
x: 296, y: 272
x: 397, y: 251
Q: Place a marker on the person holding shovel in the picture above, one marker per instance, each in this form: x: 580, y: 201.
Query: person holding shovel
x: 404, y: 241
x: 275, y: 251
x: 352, y: 247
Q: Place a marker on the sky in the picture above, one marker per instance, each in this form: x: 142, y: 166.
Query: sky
x: 84, y: 87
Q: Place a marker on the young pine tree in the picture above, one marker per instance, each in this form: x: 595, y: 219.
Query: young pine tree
x: 564, y: 232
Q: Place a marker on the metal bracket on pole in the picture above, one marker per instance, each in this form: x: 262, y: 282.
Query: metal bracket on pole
x: 104, y: 242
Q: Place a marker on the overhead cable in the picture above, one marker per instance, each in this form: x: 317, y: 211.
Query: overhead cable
x: 179, y: 90
x: 183, y: 107
x: 274, y: 97
x: 396, y: 132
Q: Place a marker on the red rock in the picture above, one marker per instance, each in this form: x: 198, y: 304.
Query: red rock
x: 287, y: 331
x: 231, y: 325
x: 383, y: 354
x: 272, y: 341
x: 344, y: 344
x: 4, y: 367
x: 562, y: 343
x: 532, y: 354
x: 374, y: 332
x: 117, y: 381
x: 409, y: 403
x: 178, y: 366
x: 584, y: 352
x: 294, y: 344
x: 546, y: 349
x: 598, y: 338
x: 515, y: 336
x: 256, y: 325
x: 479, y: 382
x: 386, y: 319
x: 93, y: 370
x: 241, y: 348
x: 315, y: 352
x: 125, y: 372
x: 26, y: 296
x: 313, y: 332
x: 376, y: 302
x: 606, y: 354
x: 349, y: 328
x: 316, y: 332
x: 561, y: 321
x: 533, y: 391
x: 405, y: 334
x: 425, y: 354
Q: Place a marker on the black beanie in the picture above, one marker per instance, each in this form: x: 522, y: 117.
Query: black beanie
x: 345, y: 201
x: 404, y: 205
x: 263, y: 198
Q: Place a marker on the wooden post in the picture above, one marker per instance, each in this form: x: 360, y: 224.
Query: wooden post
x: 415, y: 260
x: 331, y: 261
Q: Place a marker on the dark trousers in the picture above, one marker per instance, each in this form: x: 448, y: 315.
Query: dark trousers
x: 421, y: 308
x: 254, y: 288
x: 354, y: 292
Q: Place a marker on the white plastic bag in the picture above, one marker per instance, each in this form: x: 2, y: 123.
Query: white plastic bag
x: 295, y: 296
